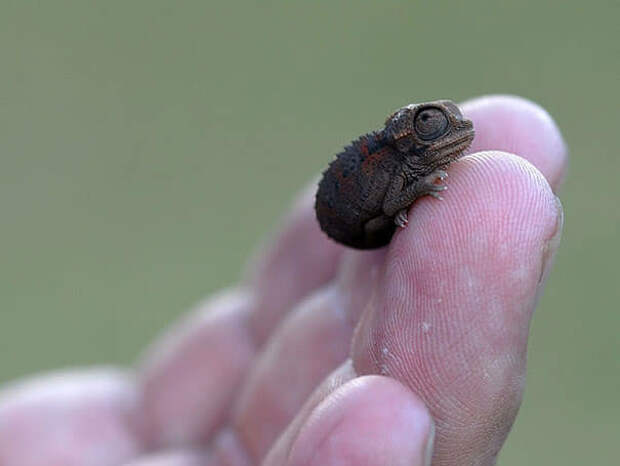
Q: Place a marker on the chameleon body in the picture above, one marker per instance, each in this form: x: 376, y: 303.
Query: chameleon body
x: 367, y: 189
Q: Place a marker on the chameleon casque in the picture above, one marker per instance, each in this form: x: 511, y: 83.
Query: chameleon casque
x: 367, y: 189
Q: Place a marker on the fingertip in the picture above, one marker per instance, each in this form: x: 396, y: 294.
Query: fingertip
x: 72, y: 417
x: 370, y: 420
x: 517, y: 125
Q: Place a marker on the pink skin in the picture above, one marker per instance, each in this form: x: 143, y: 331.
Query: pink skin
x: 70, y: 418
x: 329, y: 356
x: 171, y: 458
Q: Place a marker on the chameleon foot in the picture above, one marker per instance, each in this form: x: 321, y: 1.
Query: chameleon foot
x: 431, y: 187
x: 401, y: 219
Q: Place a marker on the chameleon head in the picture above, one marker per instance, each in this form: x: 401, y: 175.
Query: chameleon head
x: 436, y: 133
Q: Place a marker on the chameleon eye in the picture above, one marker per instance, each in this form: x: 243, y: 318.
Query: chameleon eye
x: 430, y: 123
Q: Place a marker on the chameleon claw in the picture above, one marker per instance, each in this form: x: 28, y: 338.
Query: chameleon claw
x: 401, y: 219
x: 430, y: 184
x: 441, y: 174
x: 437, y: 175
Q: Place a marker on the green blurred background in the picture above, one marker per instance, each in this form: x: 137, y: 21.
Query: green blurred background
x: 145, y: 148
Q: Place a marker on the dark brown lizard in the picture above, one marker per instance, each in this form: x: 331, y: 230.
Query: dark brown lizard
x: 366, y: 191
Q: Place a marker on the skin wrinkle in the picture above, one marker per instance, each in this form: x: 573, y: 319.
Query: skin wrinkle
x: 476, y: 326
x: 432, y: 376
x: 395, y: 320
x: 472, y: 373
x: 439, y: 376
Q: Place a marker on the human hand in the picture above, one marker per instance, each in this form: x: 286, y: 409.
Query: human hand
x: 332, y: 356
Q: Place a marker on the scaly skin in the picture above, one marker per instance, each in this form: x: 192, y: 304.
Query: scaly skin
x: 366, y: 191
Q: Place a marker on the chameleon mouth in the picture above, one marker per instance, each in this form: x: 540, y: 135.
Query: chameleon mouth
x: 464, y: 136
x: 454, y: 148
x: 461, y: 143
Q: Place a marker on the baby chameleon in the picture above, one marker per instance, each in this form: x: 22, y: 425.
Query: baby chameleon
x: 366, y: 191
